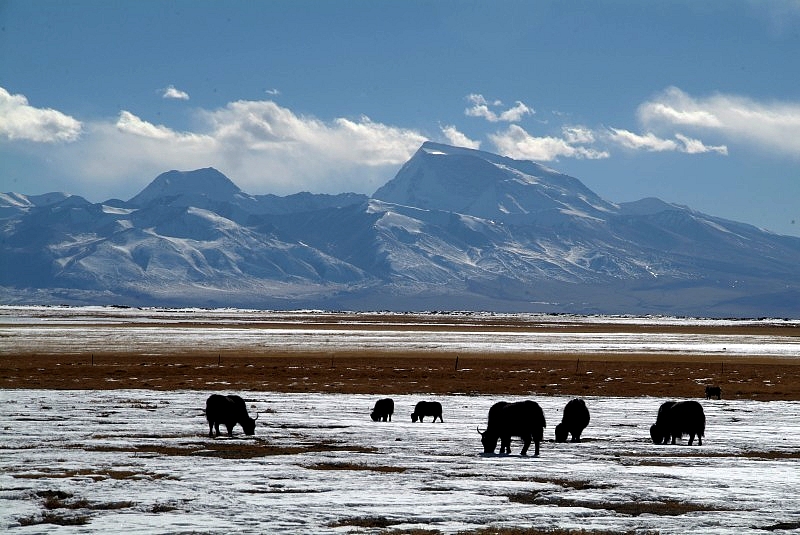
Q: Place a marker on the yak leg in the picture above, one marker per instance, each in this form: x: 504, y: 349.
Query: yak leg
x: 211, y: 429
x: 527, y: 441
x: 505, y: 445
x: 230, y: 428
x: 440, y: 419
x: 536, y: 448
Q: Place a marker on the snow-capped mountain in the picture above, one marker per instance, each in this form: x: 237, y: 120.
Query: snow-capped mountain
x: 485, y: 185
x: 454, y: 229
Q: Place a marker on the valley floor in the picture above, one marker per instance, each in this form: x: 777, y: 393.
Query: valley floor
x: 106, y: 348
x: 104, y: 427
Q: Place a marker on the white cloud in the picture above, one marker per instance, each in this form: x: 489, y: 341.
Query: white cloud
x: 21, y: 121
x: 267, y: 127
x: 172, y: 92
x: 652, y: 143
x: 516, y: 113
x: 774, y: 125
x: 517, y: 143
x: 263, y: 147
x: 131, y: 124
x: 272, y: 92
x: 649, y: 141
x: 578, y: 135
x: 695, y: 146
x: 482, y: 108
x: 454, y: 137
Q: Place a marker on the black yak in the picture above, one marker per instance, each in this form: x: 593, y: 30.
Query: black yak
x: 523, y: 419
x: 383, y: 410
x: 713, y: 391
x: 573, y: 422
x: 228, y: 410
x: 676, y: 419
x: 427, y: 408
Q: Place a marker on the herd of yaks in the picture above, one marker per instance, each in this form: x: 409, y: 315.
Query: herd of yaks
x: 523, y: 419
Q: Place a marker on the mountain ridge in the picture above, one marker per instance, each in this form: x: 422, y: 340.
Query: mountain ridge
x: 456, y: 228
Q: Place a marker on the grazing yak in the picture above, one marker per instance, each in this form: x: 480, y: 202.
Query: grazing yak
x: 573, y: 422
x: 228, y: 410
x: 676, y: 419
x: 523, y: 419
x: 713, y: 391
x: 427, y: 408
x: 383, y: 410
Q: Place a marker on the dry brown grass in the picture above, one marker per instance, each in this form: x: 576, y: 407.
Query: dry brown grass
x: 553, y: 531
x: 391, y: 373
x: 633, y: 508
x: 356, y: 466
x: 228, y: 449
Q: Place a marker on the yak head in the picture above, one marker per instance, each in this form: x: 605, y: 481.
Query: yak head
x: 657, y: 434
x: 375, y: 417
x: 249, y: 425
x: 489, y: 441
x: 413, y: 417
x: 561, y: 433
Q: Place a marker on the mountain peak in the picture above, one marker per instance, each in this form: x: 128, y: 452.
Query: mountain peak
x: 207, y: 182
x: 473, y: 182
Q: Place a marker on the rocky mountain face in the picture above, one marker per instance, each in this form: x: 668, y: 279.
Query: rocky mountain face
x: 454, y: 229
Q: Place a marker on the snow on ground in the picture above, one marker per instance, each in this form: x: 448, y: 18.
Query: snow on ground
x: 95, y: 338
x: 89, y: 329
x: 141, y: 461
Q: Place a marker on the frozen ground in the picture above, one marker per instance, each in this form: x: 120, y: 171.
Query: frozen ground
x: 140, y: 461
x: 83, y: 330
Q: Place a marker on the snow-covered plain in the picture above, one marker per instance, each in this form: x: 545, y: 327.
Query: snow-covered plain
x: 140, y: 461
x: 85, y: 330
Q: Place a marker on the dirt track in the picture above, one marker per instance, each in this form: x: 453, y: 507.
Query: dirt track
x: 428, y: 372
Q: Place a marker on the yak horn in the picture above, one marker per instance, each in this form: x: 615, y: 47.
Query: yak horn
x: 256, y: 418
x: 479, y: 430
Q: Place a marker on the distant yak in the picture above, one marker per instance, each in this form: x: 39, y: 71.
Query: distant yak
x: 676, y: 419
x: 713, y: 391
x: 427, y: 408
x: 573, y: 422
x: 523, y: 419
x: 229, y: 411
x: 383, y: 410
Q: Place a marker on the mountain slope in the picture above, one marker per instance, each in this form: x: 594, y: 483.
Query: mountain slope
x: 455, y: 228
x: 485, y: 185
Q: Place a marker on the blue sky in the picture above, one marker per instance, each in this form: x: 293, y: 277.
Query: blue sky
x: 696, y: 103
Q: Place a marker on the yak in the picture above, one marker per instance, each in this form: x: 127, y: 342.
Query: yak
x: 384, y: 408
x: 523, y: 419
x: 228, y: 410
x: 573, y: 422
x: 427, y: 408
x: 713, y: 391
x: 675, y: 419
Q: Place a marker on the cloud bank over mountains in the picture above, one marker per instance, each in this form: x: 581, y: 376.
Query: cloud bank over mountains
x: 271, y: 146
